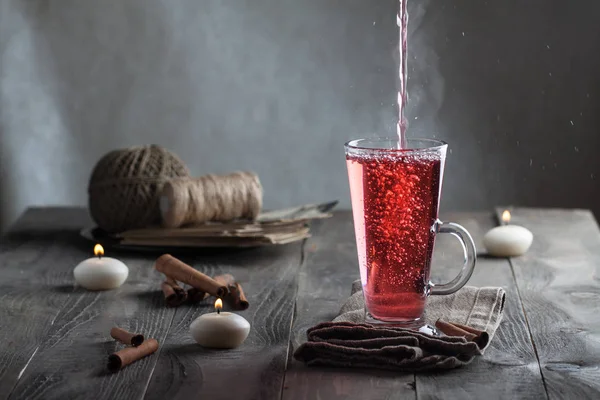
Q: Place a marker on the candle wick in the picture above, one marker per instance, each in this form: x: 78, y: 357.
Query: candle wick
x: 218, y: 311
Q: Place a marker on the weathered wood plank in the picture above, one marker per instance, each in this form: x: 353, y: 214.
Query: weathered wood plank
x: 325, y: 279
x: 29, y: 254
x: 72, y: 325
x: 559, y: 283
x: 509, y: 368
x: 71, y: 362
x: 256, y: 369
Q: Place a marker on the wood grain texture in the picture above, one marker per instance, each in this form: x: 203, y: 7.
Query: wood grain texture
x: 71, y: 325
x: 509, y: 368
x: 31, y: 286
x: 559, y: 283
x: 72, y: 361
x: 256, y: 369
x: 329, y: 268
x: 54, y: 337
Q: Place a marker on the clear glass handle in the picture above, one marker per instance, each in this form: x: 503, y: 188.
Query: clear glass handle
x: 470, y: 257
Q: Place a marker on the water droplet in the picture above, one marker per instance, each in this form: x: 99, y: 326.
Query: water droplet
x: 576, y: 149
x: 373, y: 23
x: 463, y: 34
x: 548, y: 46
x: 416, y: 117
x: 549, y: 73
x: 531, y: 162
x: 518, y: 143
x: 593, y: 176
x: 572, y: 123
x: 543, y: 167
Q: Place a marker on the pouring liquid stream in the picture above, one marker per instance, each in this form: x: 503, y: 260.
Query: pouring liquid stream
x: 402, y: 22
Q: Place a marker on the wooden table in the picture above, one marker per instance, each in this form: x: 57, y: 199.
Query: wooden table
x: 54, y: 337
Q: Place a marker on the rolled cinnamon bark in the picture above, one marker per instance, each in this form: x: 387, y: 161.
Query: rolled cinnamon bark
x: 171, y: 281
x: 482, y: 338
x: 125, y: 337
x: 180, y: 271
x: 450, y: 329
x: 225, y: 279
x: 236, y: 297
x: 174, y: 295
x: 128, y: 355
x: 196, y: 295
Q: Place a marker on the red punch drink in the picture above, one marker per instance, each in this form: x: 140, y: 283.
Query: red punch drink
x: 395, y: 198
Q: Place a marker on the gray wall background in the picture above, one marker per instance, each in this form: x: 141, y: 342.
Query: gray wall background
x: 277, y: 86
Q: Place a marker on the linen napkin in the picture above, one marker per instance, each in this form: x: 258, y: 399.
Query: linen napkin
x: 467, y: 319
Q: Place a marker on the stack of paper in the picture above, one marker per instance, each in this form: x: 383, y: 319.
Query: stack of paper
x: 272, y: 227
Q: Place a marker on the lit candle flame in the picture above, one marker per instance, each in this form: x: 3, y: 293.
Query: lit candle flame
x: 218, y: 305
x: 506, y: 217
x: 98, y: 250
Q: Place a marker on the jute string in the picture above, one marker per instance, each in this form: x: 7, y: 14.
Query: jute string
x: 125, y: 185
x: 210, y: 198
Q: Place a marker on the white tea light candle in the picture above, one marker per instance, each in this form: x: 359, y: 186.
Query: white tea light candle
x: 100, y: 273
x: 220, y: 330
x: 507, y: 240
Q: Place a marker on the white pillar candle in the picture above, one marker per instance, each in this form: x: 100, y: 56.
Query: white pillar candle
x: 220, y: 330
x: 100, y: 273
x: 507, y: 240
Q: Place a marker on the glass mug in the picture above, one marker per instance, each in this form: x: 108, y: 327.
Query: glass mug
x: 395, y: 199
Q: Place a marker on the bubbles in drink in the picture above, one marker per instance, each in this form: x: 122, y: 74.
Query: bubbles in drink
x: 394, y: 200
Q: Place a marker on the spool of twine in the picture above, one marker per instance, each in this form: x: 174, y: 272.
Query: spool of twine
x: 125, y: 185
x: 210, y: 198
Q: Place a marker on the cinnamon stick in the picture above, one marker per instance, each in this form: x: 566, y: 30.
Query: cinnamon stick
x: 450, y: 329
x: 171, y: 281
x: 180, y: 271
x: 125, y: 337
x: 174, y: 294
x: 481, y: 338
x: 225, y: 279
x: 128, y: 355
x: 236, y: 297
x: 196, y: 295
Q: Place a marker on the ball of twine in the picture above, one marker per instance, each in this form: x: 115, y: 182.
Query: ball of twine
x: 211, y: 198
x: 125, y: 186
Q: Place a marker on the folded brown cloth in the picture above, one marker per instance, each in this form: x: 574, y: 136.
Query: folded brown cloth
x: 467, y: 319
